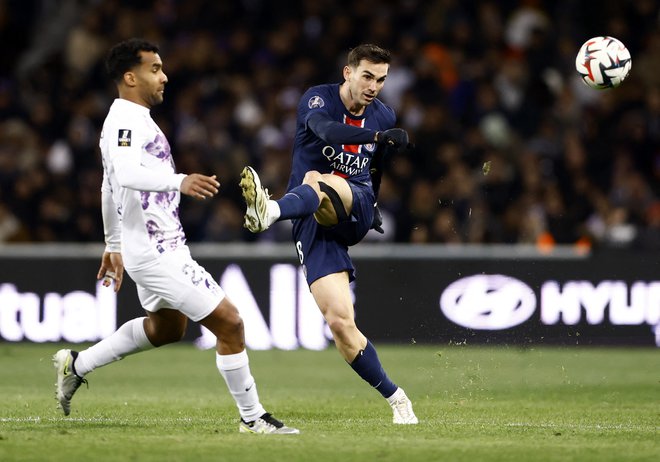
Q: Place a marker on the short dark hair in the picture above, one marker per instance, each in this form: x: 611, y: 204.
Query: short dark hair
x: 372, y: 53
x: 125, y: 55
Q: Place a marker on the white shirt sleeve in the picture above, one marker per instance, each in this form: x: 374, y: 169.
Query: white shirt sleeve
x: 111, y: 219
x: 126, y: 160
x: 130, y: 174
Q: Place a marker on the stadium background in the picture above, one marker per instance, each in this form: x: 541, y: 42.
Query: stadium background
x: 474, y: 82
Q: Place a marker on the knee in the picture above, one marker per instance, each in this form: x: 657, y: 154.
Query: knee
x: 166, y: 336
x: 312, y: 178
x: 225, y: 322
x: 340, y: 325
x: 232, y: 319
x: 233, y: 325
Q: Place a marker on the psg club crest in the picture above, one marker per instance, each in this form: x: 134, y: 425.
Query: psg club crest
x: 315, y: 102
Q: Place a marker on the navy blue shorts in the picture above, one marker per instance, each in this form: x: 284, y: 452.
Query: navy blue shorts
x: 323, y: 250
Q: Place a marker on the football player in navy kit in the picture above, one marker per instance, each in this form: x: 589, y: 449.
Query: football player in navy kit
x: 342, y: 133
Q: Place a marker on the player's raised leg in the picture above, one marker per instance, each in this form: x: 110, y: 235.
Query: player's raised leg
x: 256, y: 199
x: 262, y: 212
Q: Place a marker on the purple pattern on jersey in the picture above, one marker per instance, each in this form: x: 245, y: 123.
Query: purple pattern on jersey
x: 160, y: 148
x: 163, y: 243
x: 144, y: 199
x: 165, y: 198
x: 154, y: 232
x: 166, y: 201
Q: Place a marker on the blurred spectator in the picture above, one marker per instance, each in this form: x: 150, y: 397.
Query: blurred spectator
x: 10, y: 227
x: 509, y: 146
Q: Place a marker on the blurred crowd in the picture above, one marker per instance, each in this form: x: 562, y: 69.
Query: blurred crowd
x: 509, y: 145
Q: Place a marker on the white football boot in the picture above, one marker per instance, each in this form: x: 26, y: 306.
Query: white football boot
x: 67, y: 380
x: 266, y: 424
x: 256, y: 198
x: 402, y: 408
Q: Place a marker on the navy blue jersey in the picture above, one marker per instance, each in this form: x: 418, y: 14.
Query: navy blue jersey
x: 324, y: 250
x: 349, y: 161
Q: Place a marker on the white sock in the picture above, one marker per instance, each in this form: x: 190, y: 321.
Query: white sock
x: 128, y: 339
x: 274, y: 212
x: 235, y: 369
x: 398, y: 394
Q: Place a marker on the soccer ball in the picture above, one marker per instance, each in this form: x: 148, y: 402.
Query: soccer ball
x: 603, y: 62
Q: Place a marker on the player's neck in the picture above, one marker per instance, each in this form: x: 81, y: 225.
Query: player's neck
x: 133, y: 98
x: 351, y: 104
x: 137, y: 101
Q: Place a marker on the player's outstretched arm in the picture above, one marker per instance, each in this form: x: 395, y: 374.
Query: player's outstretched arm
x: 334, y: 132
x: 199, y: 186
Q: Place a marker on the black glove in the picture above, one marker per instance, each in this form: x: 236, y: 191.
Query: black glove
x: 377, y: 222
x: 395, y: 137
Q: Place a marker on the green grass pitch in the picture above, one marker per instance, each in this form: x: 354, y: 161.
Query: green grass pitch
x: 474, y: 404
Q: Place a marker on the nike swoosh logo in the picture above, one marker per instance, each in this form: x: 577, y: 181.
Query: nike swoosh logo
x: 248, y: 388
x: 66, y: 367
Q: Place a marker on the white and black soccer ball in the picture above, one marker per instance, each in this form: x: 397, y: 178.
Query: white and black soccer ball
x: 603, y: 62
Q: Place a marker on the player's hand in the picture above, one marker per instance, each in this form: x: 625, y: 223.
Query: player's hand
x: 111, y: 270
x: 199, y: 186
x: 394, y: 137
x: 377, y: 222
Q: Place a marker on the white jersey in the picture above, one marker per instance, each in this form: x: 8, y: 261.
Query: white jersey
x: 140, y: 191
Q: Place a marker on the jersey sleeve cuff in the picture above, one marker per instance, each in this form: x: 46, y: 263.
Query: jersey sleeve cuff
x: 178, y: 179
x: 113, y: 248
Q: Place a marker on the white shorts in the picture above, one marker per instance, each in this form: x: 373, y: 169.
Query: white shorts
x: 179, y: 282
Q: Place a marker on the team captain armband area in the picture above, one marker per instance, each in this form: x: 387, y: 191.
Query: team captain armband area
x: 437, y: 294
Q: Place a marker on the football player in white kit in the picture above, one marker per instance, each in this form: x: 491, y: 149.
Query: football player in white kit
x: 143, y: 234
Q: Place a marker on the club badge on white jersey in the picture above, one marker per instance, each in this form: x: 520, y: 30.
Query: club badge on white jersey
x: 124, y: 138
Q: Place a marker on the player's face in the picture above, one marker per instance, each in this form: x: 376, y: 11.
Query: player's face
x: 365, y: 81
x: 150, y: 79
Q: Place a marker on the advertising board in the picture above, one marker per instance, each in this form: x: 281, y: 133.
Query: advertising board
x: 402, y: 295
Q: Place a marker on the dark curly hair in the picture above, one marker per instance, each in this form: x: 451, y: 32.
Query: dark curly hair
x: 126, y: 55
